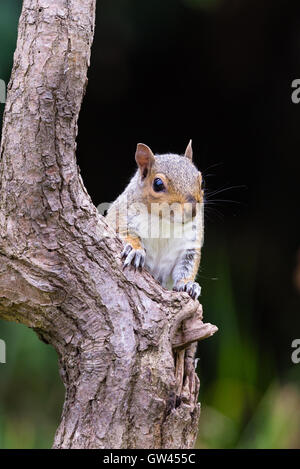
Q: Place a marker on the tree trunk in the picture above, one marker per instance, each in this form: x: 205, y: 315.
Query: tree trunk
x: 60, y: 267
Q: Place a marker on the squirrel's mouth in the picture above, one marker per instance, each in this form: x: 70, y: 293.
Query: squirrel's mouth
x: 176, y: 212
x: 186, y: 214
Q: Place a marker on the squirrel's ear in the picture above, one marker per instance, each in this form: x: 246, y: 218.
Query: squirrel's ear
x: 189, y: 151
x: 144, y: 158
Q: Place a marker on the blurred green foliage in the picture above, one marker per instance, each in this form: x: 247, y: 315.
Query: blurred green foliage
x: 10, y: 11
x: 31, y: 392
x: 246, y: 402
x: 9, y: 15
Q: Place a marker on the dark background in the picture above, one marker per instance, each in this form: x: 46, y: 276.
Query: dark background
x: 219, y: 72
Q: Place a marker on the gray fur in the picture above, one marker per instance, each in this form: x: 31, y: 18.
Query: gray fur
x: 181, y: 172
x: 169, y: 260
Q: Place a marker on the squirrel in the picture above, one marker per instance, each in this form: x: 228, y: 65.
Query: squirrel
x: 160, y: 218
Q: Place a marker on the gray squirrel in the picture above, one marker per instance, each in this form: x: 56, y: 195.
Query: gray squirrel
x: 167, y: 180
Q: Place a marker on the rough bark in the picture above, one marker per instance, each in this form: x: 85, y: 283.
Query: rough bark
x: 60, y: 272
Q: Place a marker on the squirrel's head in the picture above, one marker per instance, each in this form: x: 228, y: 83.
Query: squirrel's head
x: 169, y: 178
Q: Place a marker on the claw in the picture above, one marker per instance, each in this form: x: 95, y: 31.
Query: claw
x: 192, y: 288
x: 137, y: 259
x: 134, y: 257
x: 126, y: 250
x: 129, y: 258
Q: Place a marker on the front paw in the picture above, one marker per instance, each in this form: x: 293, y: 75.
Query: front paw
x: 192, y: 288
x: 135, y: 257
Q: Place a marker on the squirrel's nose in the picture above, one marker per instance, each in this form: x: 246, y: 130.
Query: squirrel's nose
x: 191, y: 199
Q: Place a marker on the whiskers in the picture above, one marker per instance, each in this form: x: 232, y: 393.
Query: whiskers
x: 210, y: 194
x: 211, y: 203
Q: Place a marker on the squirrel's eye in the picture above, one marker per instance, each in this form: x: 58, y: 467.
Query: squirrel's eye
x: 158, y: 185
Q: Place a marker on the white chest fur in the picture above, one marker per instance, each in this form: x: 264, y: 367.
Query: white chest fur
x: 166, y: 243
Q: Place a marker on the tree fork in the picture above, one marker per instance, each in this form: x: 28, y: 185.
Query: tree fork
x: 60, y: 267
